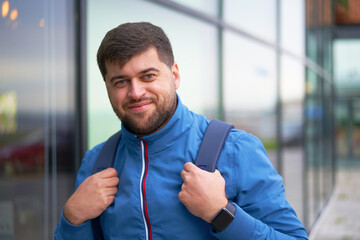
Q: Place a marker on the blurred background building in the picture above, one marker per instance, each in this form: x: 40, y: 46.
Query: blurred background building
x: 287, y: 71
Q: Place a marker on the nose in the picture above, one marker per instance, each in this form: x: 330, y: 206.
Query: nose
x: 137, y: 89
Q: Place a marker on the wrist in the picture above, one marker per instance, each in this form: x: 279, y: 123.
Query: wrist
x: 214, y: 210
x: 71, y: 216
x: 223, y: 218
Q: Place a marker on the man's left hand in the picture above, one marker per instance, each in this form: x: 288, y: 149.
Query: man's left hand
x: 202, y: 193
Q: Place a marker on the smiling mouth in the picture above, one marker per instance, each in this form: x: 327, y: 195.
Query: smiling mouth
x: 139, y: 106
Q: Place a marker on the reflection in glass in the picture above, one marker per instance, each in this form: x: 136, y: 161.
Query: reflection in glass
x: 36, y: 117
x: 8, y: 112
x: 319, y: 144
x: 292, y: 26
x: 205, y: 6
x: 22, y: 143
x: 311, y: 30
x: 250, y: 89
x: 347, y: 84
x: 245, y: 14
x: 347, y: 66
x: 292, y: 128
x: 327, y: 125
x: 5, y: 9
x: 319, y: 106
x: 13, y: 14
x: 313, y: 114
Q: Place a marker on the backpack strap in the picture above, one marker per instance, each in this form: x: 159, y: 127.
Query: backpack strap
x: 104, y: 160
x: 107, y: 154
x: 212, y: 144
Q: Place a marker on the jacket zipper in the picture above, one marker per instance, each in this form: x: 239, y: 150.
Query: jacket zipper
x: 144, y: 172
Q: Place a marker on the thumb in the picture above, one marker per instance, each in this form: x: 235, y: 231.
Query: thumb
x: 189, y: 166
x: 217, y: 173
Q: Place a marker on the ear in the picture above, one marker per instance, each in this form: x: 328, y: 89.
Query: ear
x: 176, y: 75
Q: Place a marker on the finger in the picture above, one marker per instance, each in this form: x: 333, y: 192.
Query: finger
x: 109, y: 200
x: 107, y: 173
x: 189, y: 166
x: 110, y: 182
x: 111, y: 191
x: 181, y: 196
x: 183, y: 174
x: 184, y: 188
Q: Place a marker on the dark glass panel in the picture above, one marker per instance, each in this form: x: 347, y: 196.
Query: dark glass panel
x: 37, y: 110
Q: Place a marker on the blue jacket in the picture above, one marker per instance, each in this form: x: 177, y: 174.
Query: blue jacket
x: 147, y: 205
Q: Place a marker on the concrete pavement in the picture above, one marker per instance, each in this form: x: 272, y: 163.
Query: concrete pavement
x: 341, y: 218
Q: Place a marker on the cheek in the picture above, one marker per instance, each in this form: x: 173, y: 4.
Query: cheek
x: 164, y: 89
x: 116, y: 97
x: 161, y: 94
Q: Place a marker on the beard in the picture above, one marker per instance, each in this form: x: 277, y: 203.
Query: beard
x: 152, y: 123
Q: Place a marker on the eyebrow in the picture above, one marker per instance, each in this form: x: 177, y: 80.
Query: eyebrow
x: 139, y: 73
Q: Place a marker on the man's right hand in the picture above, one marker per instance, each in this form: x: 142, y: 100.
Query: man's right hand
x: 92, y: 197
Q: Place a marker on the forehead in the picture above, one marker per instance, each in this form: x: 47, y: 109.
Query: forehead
x: 145, y: 59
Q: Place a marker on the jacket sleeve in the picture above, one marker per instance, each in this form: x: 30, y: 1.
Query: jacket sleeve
x: 65, y: 230
x: 262, y: 212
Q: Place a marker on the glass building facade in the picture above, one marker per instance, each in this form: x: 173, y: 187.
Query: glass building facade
x: 37, y: 115
x: 346, y: 52
x: 263, y: 65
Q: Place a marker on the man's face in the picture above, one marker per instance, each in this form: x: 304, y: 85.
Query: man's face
x: 143, y: 92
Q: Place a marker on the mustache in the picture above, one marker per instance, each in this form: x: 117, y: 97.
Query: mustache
x: 142, y: 99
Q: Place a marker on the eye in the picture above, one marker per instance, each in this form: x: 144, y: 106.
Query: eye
x: 149, y: 76
x: 120, y: 82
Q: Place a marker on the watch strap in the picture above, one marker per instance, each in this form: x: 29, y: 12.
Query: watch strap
x: 231, y: 207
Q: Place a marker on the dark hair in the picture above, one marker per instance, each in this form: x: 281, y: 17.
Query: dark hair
x: 129, y: 39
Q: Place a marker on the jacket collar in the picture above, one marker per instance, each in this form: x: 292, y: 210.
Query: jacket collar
x: 179, y: 123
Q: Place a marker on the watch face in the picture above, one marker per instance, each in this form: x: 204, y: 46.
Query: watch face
x: 222, y: 220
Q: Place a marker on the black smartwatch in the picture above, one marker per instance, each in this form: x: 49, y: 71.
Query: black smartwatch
x: 223, y: 218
